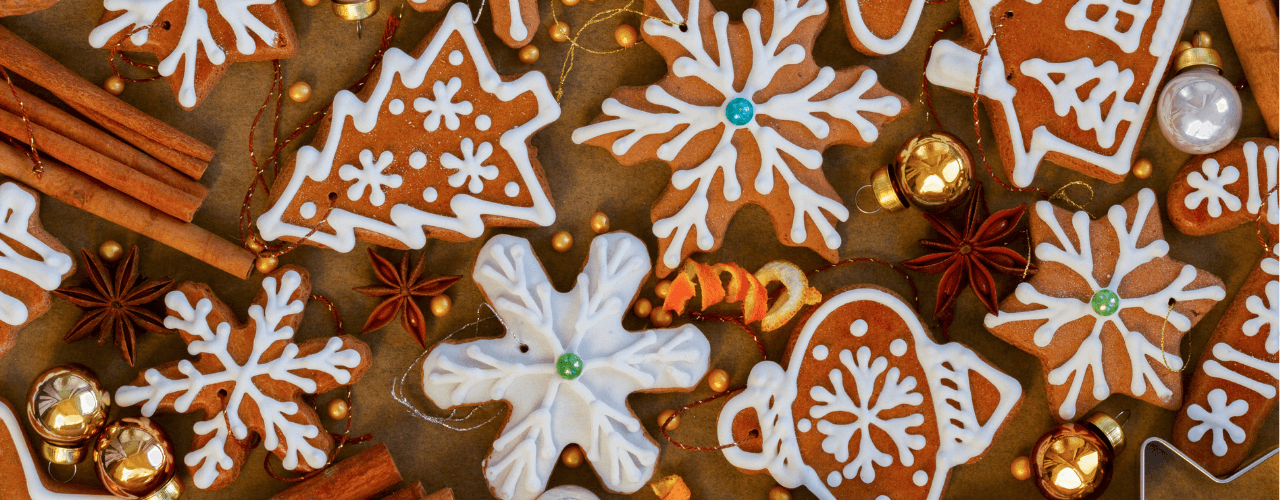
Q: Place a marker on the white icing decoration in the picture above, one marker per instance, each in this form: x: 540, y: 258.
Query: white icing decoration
x: 955, y: 67
x: 1058, y: 311
x: 196, y: 33
x: 471, y: 169
x: 417, y: 160
x: 16, y: 207
x: 396, y: 106
x: 858, y: 328
x: 307, y: 210
x: 1217, y: 420
x: 834, y: 479
x: 511, y: 189
x: 1107, y: 24
x: 768, y: 57
x: 455, y: 57
x: 483, y: 123
x: 34, y: 487
x: 547, y: 411
x: 820, y: 352
x: 1211, y: 188
x: 1112, y: 86
x: 920, y: 478
x: 406, y: 222
x: 804, y: 425
x: 370, y: 175
x: 212, y: 341
x: 771, y: 391
x: 898, y: 347
x: 430, y: 194
x: 1264, y: 317
x: 883, y: 46
x: 443, y: 107
x: 1226, y: 353
x: 568, y: 492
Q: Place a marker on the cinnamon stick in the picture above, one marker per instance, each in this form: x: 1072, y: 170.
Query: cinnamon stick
x: 361, y: 476
x: 415, y: 491
x: 181, y: 162
x: 1256, y: 37
x: 63, y: 123
x: 110, y: 172
x: 80, y: 191
x: 18, y: 55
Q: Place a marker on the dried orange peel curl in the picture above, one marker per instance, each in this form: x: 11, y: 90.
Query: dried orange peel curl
x: 671, y: 488
x: 744, y: 287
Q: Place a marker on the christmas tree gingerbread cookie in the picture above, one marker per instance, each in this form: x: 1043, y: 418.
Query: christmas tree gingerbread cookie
x: 565, y: 366
x: 742, y: 119
x: 436, y: 145
x: 248, y: 379
x: 1071, y: 82
x: 203, y: 36
x: 32, y: 262
x: 1234, y: 388
x: 869, y: 406
x: 1107, y: 311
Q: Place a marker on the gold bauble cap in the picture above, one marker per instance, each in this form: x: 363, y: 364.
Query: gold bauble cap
x: 354, y: 10
x: 932, y: 171
x: 134, y: 459
x: 67, y: 407
x: 1110, y: 427
x: 1198, y: 52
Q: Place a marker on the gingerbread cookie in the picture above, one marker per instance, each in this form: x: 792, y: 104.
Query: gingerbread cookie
x: 869, y: 404
x: 32, y: 262
x: 1234, y: 388
x: 1095, y: 313
x: 566, y: 366
x: 436, y: 145
x: 514, y: 21
x: 736, y: 116
x: 204, y: 36
x: 248, y: 378
x: 879, y: 27
x: 19, y: 7
x: 1068, y: 82
x: 24, y: 477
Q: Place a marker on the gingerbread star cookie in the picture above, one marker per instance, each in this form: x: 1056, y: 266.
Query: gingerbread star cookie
x: 203, y: 36
x: 32, y: 262
x: 881, y: 27
x: 1107, y: 311
x: 514, y: 21
x: 249, y: 378
x: 565, y: 366
x: 1070, y: 82
x: 436, y: 145
x: 869, y: 406
x: 741, y: 118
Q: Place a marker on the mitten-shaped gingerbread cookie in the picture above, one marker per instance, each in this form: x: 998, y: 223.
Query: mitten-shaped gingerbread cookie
x: 32, y: 262
x: 1234, y: 388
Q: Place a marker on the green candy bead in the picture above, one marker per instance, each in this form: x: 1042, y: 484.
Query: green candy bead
x: 1105, y: 302
x: 569, y: 366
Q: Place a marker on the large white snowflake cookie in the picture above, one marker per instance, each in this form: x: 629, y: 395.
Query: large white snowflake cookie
x: 1107, y: 311
x: 869, y: 406
x: 743, y: 116
x: 436, y: 145
x: 32, y: 262
x: 565, y: 365
x: 248, y: 379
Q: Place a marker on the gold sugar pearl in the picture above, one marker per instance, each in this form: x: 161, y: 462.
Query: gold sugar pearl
x: 779, y: 493
x: 562, y: 241
x: 625, y: 35
x: 571, y: 457
x: 662, y: 288
x: 1142, y: 168
x: 338, y: 409
x: 114, y: 84
x: 668, y: 418
x: 265, y: 265
x: 1021, y: 468
x: 299, y: 91
x: 441, y: 305
x: 643, y: 308
x: 600, y: 223
x: 559, y: 31
x: 110, y: 251
x: 311, y: 3
x: 255, y: 246
x: 718, y: 380
x: 570, y: 3
x: 529, y: 54
x: 660, y: 317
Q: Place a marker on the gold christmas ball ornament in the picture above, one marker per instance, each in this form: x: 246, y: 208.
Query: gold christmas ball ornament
x: 1142, y: 168
x: 660, y: 317
x: 529, y: 54
x: 779, y: 493
x: 67, y: 407
x: 559, y: 31
x: 338, y: 409
x: 1074, y: 461
x: 600, y: 223
x: 669, y: 419
x: 441, y: 305
x: 562, y: 241
x: 718, y: 380
x: 134, y: 459
x: 266, y: 265
x: 110, y: 251
x: 354, y: 10
x: 932, y: 171
x: 114, y: 85
x: 662, y: 288
x: 1020, y: 468
x: 299, y: 91
x: 571, y: 457
x: 643, y: 308
x: 626, y: 35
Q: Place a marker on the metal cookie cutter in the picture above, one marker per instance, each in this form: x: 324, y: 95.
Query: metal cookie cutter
x: 1172, y: 451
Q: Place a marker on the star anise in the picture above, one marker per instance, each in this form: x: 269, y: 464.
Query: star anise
x: 968, y: 258
x: 116, y: 306
x: 398, y: 289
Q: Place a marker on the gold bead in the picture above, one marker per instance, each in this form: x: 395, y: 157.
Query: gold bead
x: 662, y: 288
x: 299, y: 91
x: 529, y: 54
x: 255, y: 246
x: 779, y: 493
x: 67, y: 407
x: 718, y: 380
x: 338, y: 409
x: 571, y: 457
x: 134, y: 458
x: 560, y: 31
x: 660, y: 317
x: 1202, y: 40
x: 110, y: 251
x: 562, y: 241
x: 1182, y: 46
x: 1021, y: 468
x: 570, y: 3
x: 643, y: 308
x: 311, y: 3
x: 266, y: 264
x: 669, y: 419
x: 114, y: 84
x: 440, y: 305
x: 600, y: 223
x: 625, y: 35
x: 1142, y: 168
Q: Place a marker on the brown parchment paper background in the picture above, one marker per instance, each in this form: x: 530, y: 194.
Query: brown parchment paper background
x: 585, y: 179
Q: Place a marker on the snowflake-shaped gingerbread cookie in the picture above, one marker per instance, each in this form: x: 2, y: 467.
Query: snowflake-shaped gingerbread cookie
x: 249, y: 378
x: 435, y: 146
x: 742, y: 119
x: 32, y: 262
x: 203, y: 36
x: 868, y: 406
x: 1095, y: 313
x: 566, y: 366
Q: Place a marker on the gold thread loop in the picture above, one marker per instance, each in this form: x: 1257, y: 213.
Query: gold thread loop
x: 1062, y: 194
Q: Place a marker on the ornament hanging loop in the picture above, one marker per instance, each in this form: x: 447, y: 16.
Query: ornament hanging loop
x: 48, y: 468
x: 857, y: 201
